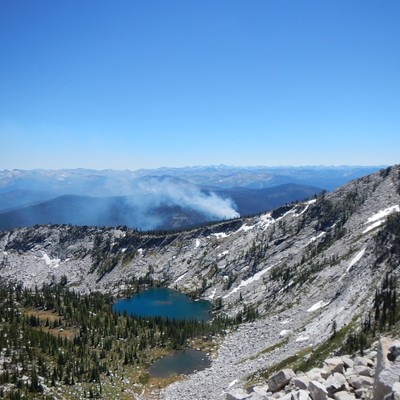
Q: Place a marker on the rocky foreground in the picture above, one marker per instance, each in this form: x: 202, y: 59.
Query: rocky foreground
x: 374, y: 376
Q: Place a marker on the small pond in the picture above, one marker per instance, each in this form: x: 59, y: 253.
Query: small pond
x: 166, y: 303
x: 179, y: 362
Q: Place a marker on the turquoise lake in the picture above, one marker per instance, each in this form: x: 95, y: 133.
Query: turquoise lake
x: 165, y: 303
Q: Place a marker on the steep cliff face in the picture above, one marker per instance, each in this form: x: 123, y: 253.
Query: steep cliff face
x: 304, y: 266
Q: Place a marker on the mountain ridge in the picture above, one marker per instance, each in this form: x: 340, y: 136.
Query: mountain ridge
x: 303, y: 266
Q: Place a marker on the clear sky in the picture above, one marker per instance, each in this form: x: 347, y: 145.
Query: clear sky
x: 134, y: 84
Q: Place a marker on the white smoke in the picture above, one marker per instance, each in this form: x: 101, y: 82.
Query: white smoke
x: 166, y: 190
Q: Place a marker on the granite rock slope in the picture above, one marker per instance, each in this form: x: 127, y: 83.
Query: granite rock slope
x: 306, y: 267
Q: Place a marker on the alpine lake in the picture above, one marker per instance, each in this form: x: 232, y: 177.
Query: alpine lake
x: 168, y: 303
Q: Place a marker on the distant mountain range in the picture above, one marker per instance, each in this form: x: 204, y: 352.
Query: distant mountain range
x: 166, y: 198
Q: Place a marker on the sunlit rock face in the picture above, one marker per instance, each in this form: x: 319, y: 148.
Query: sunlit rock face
x: 307, y: 268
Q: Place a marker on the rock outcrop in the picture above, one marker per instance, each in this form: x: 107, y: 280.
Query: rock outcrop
x: 387, y: 369
x: 374, y: 376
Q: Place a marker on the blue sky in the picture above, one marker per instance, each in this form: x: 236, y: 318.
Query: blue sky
x: 142, y: 84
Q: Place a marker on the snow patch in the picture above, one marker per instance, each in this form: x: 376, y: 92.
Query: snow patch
x: 212, y: 295
x: 308, y: 204
x: 283, y: 332
x: 232, y: 384
x: 245, y: 228
x: 246, y: 282
x: 355, y: 259
x: 373, y: 226
x: 123, y: 250
x: 317, y: 306
x: 197, y: 244
x: 382, y: 214
x: 224, y: 253
x: 220, y: 235
x: 379, y: 218
x: 180, y: 277
x: 140, y: 251
x: 266, y: 220
x: 314, y: 238
x: 51, y: 262
x: 286, y: 286
x: 302, y: 338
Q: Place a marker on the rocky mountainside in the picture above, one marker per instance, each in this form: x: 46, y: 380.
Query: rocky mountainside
x: 309, y: 268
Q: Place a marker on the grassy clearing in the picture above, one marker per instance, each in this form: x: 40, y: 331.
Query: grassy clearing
x: 204, y: 344
x: 51, y: 317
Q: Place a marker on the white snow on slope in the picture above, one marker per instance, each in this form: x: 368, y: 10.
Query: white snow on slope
x: 266, y: 220
x: 232, y: 384
x: 379, y: 218
x: 286, y: 286
x: 220, y: 235
x: 51, y: 262
x: 383, y: 213
x: 317, y: 306
x: 302, y: 338
x: 197, y: 244
x: 314, y: 238
x: 355, y: 259
x: 252, y: 279
x: 373, y: 226
x: 212, y: 295
x: 245, y: 228
x: 224, y: 253
x: 308, y: 204
x: 180, y: 277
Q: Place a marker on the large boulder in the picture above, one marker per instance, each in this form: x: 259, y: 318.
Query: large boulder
x: 287, y: 396
x: 300, y: 382
x: 344, y: 395
x: 364, y: 370
x: 278, y: 380
x: 332, y: 365
x: 363, y: 361
x: 348, y: 362
x: 387, y: 368
x: 335, y: 383
x: 317, y: 391
x: 315, y: 374
x: 396, y: 391
x: 301, y: 395
x: 261, y: 390
x: 360, y: 382
x: 237, y: 394
x: 363, y: 393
